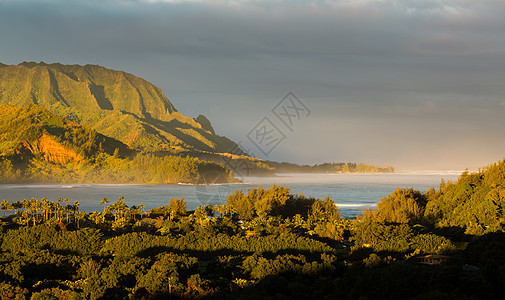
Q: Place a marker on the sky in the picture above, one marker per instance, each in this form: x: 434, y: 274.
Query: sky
x: 416, y: 84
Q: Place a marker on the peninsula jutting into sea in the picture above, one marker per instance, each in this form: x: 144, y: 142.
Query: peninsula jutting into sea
x: 88, y: 124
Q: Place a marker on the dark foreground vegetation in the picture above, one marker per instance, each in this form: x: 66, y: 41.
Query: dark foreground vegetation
x: 262, y: 244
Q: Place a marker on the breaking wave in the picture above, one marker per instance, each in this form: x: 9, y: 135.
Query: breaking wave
x: 350, y: 205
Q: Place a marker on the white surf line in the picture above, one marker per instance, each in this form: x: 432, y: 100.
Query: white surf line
x: 355, y: 205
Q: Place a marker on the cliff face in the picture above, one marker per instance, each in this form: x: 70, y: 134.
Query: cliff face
x: 54, y: 152
x: 88, y: 87
x: 114, y: 103
x: 33, y: 131
x: 205, y: 123
x: 49, y: 150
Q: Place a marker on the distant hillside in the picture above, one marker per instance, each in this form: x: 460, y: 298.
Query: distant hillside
x: 34, y: 131
x: 114, y: 103
x: 333, y: 167
x: 40, y: 147
x: 129, y: 110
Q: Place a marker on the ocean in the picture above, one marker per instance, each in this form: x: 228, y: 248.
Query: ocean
x: 351, y: 192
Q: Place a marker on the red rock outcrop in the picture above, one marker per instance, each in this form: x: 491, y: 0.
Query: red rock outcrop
x: 53, y: 151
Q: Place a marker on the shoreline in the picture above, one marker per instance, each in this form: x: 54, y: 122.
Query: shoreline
x: 240, y: 181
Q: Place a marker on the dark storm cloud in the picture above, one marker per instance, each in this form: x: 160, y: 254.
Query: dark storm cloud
x: 372, y: 70
x: 366, y: 28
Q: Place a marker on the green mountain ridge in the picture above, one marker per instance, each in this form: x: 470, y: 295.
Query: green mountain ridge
x: 115, y: 103
x: 136, y: 113
x: 205, y: 123
x: 37, y: 146
x: 28, y: 130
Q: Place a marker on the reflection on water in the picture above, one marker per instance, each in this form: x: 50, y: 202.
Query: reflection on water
x: 351, y: 192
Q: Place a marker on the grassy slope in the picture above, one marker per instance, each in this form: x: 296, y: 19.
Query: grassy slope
x: 40, y: 147
x: 114, y: 103
x: 28, y: 124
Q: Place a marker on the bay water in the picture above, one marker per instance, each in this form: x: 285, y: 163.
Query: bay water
x: 351, y: 192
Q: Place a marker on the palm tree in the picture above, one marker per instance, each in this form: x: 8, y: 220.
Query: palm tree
x: 79, y: 216
x: 46, y: 208
x: 25, y: 204
x: 76, y: 210
x: 59, y: 211
x: 104, y: 201
x: 67, y: 208
x: 96, y: 217
x: 34, y: 208
x: 119, y: 209
x: 58, y: 208
x: 53, y: 210
x: 16, y: 206
x: 5, y: 205
x: 177, y: 207
x: 141, y: 209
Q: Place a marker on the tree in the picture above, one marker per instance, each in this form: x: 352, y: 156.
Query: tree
x: 199, y: 213
x: 5, y: 205
x: 34, y: 208
x: 75, y: 207
x: 16, y: 206
x: 80, y: 215
x: 119, y: 209
x: 59, y: 208
x: 402, y: 206
x: 272, y: 201
x: 96, y: 217
x: 104, y: 201
x: 177, y: 207
x: 241, y: 205
x: 46, y: 208
x: 138, y: 210
x: 325, y: 210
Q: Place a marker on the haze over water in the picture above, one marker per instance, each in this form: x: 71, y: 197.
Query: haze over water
x: 351, y: 192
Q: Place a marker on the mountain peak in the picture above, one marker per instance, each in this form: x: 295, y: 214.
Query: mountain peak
x: 202, y: 120
x: 32, y: 64
x: 91, y: 86
x: 114, y: 103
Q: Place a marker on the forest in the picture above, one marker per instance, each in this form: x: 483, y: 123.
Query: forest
x: 333, y: 167
x: 37, y: 146
x: 263, y: 243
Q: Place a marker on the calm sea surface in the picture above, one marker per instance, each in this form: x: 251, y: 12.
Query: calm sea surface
x: 351, y: 192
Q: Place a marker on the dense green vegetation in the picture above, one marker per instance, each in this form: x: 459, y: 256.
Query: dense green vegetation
x: 28, y: 124
x: 329, y: 168
x: 114, y: 103
x: 92, y: 109
x: 38, y: 146
x: 141, y: 168
x: 263, y: 243
x: 125, y: 252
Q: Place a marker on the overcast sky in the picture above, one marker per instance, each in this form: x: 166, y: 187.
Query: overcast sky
x: 416, y: 84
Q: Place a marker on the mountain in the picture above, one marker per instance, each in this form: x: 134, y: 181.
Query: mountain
x: 205, y: 123
x: 114, y: 103
x: 33, y: 131
x: 132, y: 111
x: 38, y: 146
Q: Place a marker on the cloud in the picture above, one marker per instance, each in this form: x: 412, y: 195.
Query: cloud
x: 273, y: 27
x: 385, y: 67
